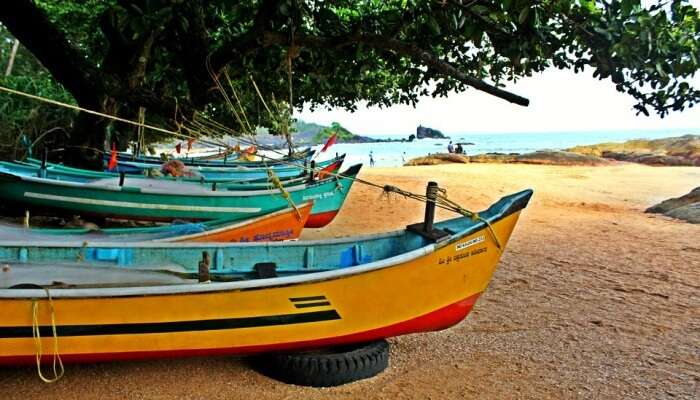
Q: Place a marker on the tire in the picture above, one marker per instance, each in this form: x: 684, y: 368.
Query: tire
x: 327, y: 367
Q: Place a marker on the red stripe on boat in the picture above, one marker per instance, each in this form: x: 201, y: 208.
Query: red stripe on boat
x: 433, y: 321
x: 321, y: 219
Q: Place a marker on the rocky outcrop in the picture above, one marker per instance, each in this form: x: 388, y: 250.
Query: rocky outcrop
x: 545, y: 157
x: 423, y: 132
x: 674, y: 151
x: 685, y: 207
x: 440, y: 158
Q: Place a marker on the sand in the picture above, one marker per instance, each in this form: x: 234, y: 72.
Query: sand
x: 593, y: 299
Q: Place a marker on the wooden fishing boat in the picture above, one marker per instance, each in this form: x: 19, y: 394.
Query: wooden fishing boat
x: 230, y: 172
x: 165, y: 200
x: 33, y: 167
x: 299, y: 157
x: 280, y: 296
x: 285, y: 224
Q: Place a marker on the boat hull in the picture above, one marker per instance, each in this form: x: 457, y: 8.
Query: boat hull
x: 429, y: 291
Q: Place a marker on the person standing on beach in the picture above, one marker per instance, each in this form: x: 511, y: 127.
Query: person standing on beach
x: 371, y: 159
x: 450, y: 148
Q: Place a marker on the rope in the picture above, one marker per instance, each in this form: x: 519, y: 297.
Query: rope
x: 203, y: 124
x: 443, y: 202
x: 36, y: 334
x: 278, y: 184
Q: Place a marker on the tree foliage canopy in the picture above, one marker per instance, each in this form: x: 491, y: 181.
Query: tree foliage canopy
x: 117, y: 55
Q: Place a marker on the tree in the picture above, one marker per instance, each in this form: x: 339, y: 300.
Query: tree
x: 115, y: 56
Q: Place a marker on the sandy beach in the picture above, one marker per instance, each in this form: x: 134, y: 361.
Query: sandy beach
x: 592, y: 299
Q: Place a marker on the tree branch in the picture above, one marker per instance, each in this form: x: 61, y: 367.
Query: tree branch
x: 410, y: 50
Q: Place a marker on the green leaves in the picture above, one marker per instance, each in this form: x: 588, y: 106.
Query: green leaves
x: 648, y: 53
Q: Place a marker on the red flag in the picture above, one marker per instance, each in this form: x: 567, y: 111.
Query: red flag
x: 189, y: 144
x: 113, y: 159
x: 329, y: 142
x: 178, y: 147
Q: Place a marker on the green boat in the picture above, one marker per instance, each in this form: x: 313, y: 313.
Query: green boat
x: 163, y: 200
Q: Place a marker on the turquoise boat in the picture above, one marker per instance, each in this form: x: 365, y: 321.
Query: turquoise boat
x: 60, y: 172
x: 299, y: 157
x: 232, y: 172
x: 145, y: 199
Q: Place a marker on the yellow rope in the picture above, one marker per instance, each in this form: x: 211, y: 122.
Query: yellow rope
x: 278, y: 184
x: 36, y: 334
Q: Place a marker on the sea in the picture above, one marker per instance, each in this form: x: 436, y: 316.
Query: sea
x: 391, y: 154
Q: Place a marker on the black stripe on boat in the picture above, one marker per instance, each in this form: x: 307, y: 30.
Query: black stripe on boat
x: 167, y: 327
x: 310, y: 298
x: 315, y: 304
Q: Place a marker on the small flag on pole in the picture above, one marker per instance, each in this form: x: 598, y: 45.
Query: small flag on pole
x: 113, y: 158
x: 329, y: 142
x: 189, y: 144
x: 178, y: 147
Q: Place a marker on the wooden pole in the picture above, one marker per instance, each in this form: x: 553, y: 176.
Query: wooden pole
x: 11, y: 62
x: 431, y: 194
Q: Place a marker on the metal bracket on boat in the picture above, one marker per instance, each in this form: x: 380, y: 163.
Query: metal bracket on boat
x: 203, y: 272
x: 426, y: 228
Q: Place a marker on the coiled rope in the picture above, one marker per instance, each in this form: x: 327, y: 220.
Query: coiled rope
x: 36, y: 334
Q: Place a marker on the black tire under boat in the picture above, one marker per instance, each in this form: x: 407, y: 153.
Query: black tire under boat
x: 327, y: 367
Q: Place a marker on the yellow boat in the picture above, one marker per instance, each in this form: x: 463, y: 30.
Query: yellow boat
x: 274, y: 296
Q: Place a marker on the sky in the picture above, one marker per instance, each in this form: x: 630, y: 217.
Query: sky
x: 560, y: 101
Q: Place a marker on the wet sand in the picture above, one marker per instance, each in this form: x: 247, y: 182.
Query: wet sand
x: 592, y: 299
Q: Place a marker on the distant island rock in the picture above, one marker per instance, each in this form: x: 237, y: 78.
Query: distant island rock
x: 423, y: 132
x: 311, y: 134
x: 685, y: 207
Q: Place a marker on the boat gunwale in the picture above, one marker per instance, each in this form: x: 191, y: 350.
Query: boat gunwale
x: 515, y: 203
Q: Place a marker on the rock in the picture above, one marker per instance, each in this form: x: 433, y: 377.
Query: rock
x: 423, y: 132
x: 440, y: 158
x: 690, y: 213
x: 543, y: 157
x: 686, y: 207
x: 674, y: 151
x: 670, y: 204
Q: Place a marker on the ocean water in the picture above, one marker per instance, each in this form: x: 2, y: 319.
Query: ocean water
x: 395, y: 153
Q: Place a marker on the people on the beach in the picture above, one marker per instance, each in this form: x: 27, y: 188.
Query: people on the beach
x: 459, y: 149
x: 450, y: 148
x: 371, y: 159
x: 403, y: 157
